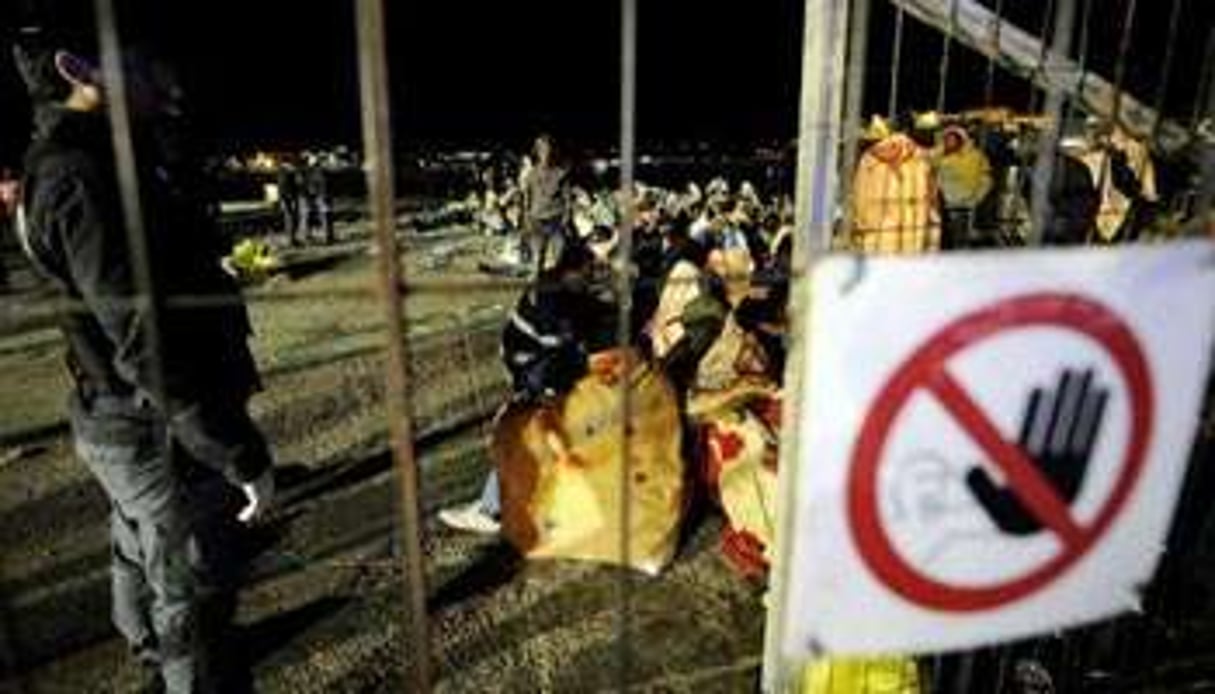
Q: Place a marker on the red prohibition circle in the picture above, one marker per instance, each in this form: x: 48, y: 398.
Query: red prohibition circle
x: 925, y: 367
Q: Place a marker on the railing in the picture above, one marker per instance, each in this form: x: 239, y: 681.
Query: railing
x: 450, y: 379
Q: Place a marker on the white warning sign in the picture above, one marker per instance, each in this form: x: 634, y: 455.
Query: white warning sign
x: 990, y: 446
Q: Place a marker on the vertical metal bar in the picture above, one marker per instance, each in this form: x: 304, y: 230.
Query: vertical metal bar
x: 1162, y: 91
x: 1064, y: 21
x: 937, y: 676
x: 966, y: 673
x: 1068, y: 107
x: 1050, y: 10
x: 628, y: 115
x: 114, y: 79
x: 1085, y: 23
x: 997, y: 21
x: 1128, y: 26
x: 896, y: 62
x: 1206, y: 83
x: 819, y: 125
x: 377, y: 153
x: 1070, y: 663
x: 1206, y: 110
x: 1124, y: 47
x: 825, y: 25
x: 946, y: 51
x: 854, y: 95
x: 1001, y: 668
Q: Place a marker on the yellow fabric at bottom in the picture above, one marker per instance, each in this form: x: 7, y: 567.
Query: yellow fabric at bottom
x: 861, y: 676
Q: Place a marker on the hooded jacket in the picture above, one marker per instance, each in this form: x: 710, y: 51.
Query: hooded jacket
x: 894, y: 199
x: 963, y: 174
x: 200, y: 377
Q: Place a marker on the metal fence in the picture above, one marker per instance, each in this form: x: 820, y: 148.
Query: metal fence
x: 450, y: 379
x: 1163, y: 646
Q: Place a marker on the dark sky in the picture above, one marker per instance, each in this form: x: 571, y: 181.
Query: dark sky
x: 283, y: 72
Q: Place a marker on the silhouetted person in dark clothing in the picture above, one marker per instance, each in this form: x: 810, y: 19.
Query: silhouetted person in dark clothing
x: 162, y: 427
x: 289, y: 200
x: 1073, y: 203
x: 316, y: 208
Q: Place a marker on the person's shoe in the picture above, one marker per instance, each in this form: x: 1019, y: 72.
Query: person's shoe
x: 470, y: 518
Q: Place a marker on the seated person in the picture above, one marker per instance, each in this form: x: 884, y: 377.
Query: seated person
x: 567, y: 314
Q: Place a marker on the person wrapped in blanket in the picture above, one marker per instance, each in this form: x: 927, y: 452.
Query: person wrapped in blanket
x: 702, y: 335
x: 567, y: 314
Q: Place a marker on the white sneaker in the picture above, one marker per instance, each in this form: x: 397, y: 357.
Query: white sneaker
x: 470, y: 518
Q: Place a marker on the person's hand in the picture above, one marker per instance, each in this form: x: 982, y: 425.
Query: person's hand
x: 259, y: 493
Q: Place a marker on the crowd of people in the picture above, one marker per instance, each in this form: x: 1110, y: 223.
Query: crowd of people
x: 304, y: 200
x: 710, y: 269
x: 707, y: 306
x: 165, y: 427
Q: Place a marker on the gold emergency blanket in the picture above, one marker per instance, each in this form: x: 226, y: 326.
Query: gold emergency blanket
x: 560, y: 468
x: 894, y: 199
x: 736, y: 410
x: 740, y: 437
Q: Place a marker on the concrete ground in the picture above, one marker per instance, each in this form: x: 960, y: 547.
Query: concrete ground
x: 323, y: 610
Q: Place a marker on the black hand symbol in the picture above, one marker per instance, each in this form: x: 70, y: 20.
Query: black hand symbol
x: 1058, y: 434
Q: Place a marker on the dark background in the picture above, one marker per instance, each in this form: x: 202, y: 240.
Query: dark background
x: 283, y: 73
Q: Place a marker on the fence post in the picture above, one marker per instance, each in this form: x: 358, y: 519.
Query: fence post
x: 377, y: 161
x: 825, y: 28
x: 1056, y: 60
x: 624, y: 294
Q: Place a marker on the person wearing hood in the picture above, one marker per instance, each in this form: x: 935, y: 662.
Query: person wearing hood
x: 1072, y: 201
x: 164, y: 428
x: 567, y: 314
x: 894, y: 199
x: 963, y: 175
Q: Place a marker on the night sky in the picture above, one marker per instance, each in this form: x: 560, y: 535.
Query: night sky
x: 483, y: 72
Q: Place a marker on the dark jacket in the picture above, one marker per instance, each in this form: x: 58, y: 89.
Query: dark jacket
x: 1073, y: 200
x: 203, y: 373
x: 553, y: 329
x: 316, y: 183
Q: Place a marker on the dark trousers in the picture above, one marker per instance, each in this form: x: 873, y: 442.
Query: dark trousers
x: 290, y: 210
x: 316, y: 214
x: 173, y: 565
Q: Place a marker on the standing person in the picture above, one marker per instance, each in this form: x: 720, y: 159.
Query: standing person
x: 160, y: 429
x: 546, y: 204
x: 1072, y: 198
x: 566, y: 315
x: 894, y: 198
x: 317, y: 205
x: 289, y: 199
x: 963, y: 177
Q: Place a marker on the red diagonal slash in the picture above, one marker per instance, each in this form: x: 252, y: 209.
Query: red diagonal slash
x: 1023, y: 476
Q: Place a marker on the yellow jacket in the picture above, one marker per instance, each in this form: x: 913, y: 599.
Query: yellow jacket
x: 894, y: 199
